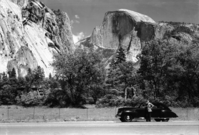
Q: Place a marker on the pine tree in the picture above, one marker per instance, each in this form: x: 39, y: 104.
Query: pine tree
x: 4, y: 78
x: 12, y: 74
x: 112, y: 74
x: 50, y: 76
x: 120, y: 57
x: 34, y: 78
x: 120, y: 76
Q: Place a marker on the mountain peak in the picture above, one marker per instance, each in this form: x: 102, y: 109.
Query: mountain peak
x: 138, y: 16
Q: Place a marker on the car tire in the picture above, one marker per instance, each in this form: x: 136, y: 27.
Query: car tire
x: 165, y: 119
x: 157, y: 120
x: 126, y: 118
x: 122, y: 120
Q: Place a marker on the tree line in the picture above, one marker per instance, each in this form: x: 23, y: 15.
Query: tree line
x: 168, y: 72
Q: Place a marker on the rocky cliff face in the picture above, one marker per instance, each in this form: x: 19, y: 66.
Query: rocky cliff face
x: 122, y: 28
x: 177, y: 32
x: 30, y: 33
x: 130, y: 30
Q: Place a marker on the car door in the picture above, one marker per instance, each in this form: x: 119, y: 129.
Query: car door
x: 165, y: 111
x: 141, y: 110
x: 156, y: 111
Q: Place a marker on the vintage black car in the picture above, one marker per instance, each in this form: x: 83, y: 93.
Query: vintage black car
x: 160, y: 112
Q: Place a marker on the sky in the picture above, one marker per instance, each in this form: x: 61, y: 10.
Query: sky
x: 86, y: 14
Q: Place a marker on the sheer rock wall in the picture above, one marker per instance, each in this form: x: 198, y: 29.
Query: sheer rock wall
x: 30, y: 33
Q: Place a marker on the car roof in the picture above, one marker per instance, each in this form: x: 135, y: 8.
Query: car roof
x: 160, y: 104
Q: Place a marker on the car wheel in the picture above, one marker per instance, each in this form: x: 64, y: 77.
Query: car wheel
x: 127, y: 118
x: 165, y: 119
x: 157, y: 120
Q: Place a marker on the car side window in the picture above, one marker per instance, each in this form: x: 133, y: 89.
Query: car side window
x: 155, y: 107
x: 142, y: 106
x: 160, y: 107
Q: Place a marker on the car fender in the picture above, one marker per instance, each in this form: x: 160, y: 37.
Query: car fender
x: 168, y: 114
x: 132, y: 113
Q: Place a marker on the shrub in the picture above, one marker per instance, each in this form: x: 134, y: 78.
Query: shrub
x: 7, y: 95
x: 30, y: 99
x: 196, y: 102
x: 57, y: 97
x: 108, y: 100
x: 115, y: 101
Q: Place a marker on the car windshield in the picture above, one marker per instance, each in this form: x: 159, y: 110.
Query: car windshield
x: 142, y: 105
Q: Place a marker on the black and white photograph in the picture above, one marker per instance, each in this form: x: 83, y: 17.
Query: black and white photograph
x: 99, y: 67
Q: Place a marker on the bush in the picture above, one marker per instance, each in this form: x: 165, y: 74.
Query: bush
x: 196, y: 102
x: 108, y: 100
x: 133, y: 101
x: 57, y: 98
x: 7, y: 95
x: 30, y: 99
x: 115, y: 101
